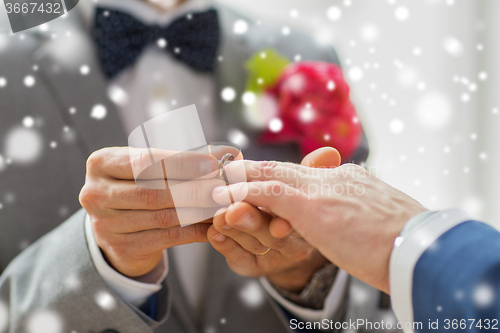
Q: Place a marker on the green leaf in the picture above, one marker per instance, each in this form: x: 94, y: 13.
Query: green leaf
x: 264, y: 69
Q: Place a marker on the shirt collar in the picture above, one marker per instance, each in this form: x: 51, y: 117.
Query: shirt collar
x: 142, y: 11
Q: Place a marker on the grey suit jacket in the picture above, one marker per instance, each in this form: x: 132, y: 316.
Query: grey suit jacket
x: 55, y: 277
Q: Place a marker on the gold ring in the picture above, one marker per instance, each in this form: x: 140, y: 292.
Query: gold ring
x: 263, y: 253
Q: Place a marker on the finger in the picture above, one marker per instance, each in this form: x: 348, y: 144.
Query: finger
x: 134, y: 163
x: 281, y: 199
x: 234, y: 253
x: 245, y: 240
x: 131, y: 221
x: 144, y: 243
x: 160, y: 239
x: 279, y: 227
x: 128, y: 195
x: 288, y: 173
x: 249, y: 227
x: 326, y: 157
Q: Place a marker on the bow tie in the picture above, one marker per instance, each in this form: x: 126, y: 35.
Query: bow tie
x: 120, y: 38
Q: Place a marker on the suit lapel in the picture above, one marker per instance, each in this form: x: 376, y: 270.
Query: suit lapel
x: 83, y: 99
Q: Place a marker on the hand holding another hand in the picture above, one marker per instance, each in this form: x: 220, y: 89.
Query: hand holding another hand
x: 350, y: 216
x: 243, y: 236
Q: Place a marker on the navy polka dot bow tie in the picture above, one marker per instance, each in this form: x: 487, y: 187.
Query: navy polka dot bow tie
x: 192, y: 39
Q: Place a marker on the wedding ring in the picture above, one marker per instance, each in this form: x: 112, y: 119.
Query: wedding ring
x: 263, y: 253
x: 222, y: 165
x: 226, y: 159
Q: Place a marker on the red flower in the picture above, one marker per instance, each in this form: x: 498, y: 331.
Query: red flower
x: 314, y: 109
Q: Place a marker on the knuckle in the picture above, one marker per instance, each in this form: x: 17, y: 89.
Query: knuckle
x: 172, y: 234
x: 89, y: 196
x: 257, y: 247
x: 279, y: 243
x: 100, y: 227
x: 196, y: 195
x: 149, y: 197
x: 164, y: 217
x: 276, y: 187
x: 267, y: 168
x: 96, y: 159
x: 139, y: 160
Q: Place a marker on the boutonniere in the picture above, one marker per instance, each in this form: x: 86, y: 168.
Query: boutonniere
x: 303, y: 102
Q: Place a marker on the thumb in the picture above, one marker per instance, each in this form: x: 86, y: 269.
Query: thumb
x: 326, y: 157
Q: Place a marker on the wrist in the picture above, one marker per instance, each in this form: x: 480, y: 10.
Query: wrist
x: 295, y: 279
x: 133, y: 268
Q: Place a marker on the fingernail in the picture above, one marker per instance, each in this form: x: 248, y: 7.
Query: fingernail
x: 245, y: 221
x: 219, y: 238
x: 227, y: 227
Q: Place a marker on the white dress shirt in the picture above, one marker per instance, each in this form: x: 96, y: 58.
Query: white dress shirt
x: 158, y: 83
x: 417, y: 236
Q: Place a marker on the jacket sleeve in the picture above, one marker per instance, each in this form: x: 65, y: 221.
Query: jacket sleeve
x: 454, y: 267
x: 55, y: 283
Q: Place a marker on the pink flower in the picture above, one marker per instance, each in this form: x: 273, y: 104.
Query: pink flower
x: 314, y: 109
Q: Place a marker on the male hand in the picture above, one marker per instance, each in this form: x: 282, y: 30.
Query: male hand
x: 350, y: 216
x: 134, y: 223
x: 242, y: 235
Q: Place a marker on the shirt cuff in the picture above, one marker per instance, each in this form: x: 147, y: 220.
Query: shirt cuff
x: 418, y: 235
x: 332, y: 301
x: 135, y: 291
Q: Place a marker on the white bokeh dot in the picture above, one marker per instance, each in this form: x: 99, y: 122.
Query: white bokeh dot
x: 369, y: 32
x: 240, y: 27
x: 294, y: 13
x: 252, y: 294
x: 334, y: 13
x: 433, y: 110
x: 307, y: 115
x: 117, y: 95
x: 85, y: 70
x: 402, y: 13
x: 484, y: 295
x: 23, y: 145
x: 483, y: 76
x: 397, y: 126
x: 29, y: 81
x: 105, y: 300
x: 228, y: 94
x: 249, y: 98
x: 355, y: 73
x: 45, y: 322
x: 162, y: 43
x: 28, y: 122
x: 3, y: 82
x: 275, y: 125
x: 99, y: 112
x: 238, y: 138
x: 453, y: 46
x: 286, y: 31
x: 330, y: 85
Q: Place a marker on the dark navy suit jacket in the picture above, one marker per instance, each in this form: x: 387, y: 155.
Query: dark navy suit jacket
x: 456, y: 281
